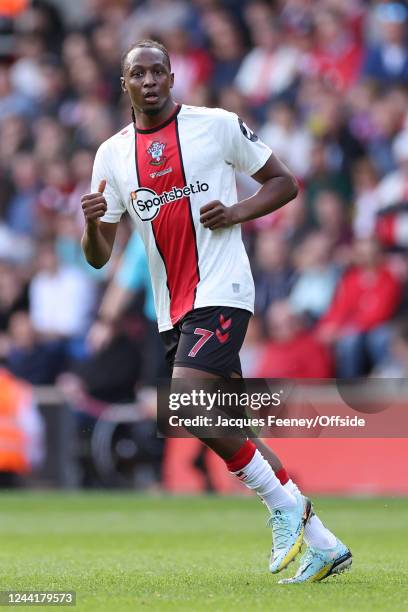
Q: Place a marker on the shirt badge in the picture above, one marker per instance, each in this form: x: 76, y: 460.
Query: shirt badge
x: 156, y: 151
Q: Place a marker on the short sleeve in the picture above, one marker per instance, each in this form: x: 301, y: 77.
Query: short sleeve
x: 102, y: 170
x: 243, y: 148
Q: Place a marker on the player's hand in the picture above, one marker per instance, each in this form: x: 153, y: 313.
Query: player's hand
x: 94, y: 205
x: 215, y: 215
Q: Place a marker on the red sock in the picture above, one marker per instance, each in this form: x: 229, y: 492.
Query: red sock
x: 282, y: 476
x: 242, y: 457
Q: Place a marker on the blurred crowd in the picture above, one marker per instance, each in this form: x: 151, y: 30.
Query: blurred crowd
x: 323, y: 82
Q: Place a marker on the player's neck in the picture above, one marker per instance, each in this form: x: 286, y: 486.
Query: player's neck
x: 148, y: 122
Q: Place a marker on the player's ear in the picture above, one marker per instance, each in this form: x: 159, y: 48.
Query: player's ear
x: 171, y: 80
x: 123, y: 83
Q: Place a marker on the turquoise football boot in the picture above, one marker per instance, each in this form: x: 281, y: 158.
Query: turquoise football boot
x: 317, y: 564
x: 288, y: 527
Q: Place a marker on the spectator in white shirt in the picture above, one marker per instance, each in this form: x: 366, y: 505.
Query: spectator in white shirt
x: 269, y: 68
x: 366, y: 201
x: 61, y: 297
x: 393, y: 189
x: 292, y: 142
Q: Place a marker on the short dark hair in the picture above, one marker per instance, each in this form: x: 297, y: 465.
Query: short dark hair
x: 146, y: 44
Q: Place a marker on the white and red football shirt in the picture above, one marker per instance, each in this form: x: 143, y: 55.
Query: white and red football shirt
x: 162, y: 177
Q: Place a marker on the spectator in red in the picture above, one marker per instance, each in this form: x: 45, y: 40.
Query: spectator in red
x: 193, y: 65
x: 357, y: 323
x: 292, y: 351
x: 338, y: 54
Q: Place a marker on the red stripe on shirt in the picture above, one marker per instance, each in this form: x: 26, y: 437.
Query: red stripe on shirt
x: 173, y: 227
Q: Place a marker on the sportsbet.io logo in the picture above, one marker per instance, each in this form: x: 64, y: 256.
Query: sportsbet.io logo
x: 147, y: 203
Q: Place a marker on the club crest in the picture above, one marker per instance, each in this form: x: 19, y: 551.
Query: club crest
x: 156, y: 150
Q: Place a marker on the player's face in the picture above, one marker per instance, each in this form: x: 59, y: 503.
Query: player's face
x: 147, y: 80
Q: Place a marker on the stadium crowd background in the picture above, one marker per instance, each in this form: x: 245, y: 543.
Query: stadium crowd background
x: 324, y: 83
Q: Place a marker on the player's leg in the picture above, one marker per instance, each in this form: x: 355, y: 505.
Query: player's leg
x: 241, y: 456
x: 325, y: 555
x: 316, y: 534
x: 288, y: 513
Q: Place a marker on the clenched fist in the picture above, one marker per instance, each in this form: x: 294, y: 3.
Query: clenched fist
x: 94, y: 204
x: 215, y: 215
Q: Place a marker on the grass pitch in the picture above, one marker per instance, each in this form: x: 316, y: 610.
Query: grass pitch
x: 123, y: 552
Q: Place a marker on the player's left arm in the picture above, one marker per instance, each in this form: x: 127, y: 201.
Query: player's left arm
x: 279, y: 187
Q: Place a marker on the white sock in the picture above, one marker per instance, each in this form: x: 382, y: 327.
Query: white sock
x: 316, y: 534
x: 260, y: 477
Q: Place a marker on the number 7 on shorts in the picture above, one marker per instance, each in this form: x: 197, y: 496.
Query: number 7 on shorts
x: 205, y: 336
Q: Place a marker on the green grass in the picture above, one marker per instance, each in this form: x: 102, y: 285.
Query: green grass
x: 128, y: 552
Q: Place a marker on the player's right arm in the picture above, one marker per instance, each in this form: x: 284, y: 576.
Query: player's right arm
x: 98, y: 237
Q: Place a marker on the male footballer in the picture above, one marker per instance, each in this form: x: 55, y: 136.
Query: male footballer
x: 173, y: 170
